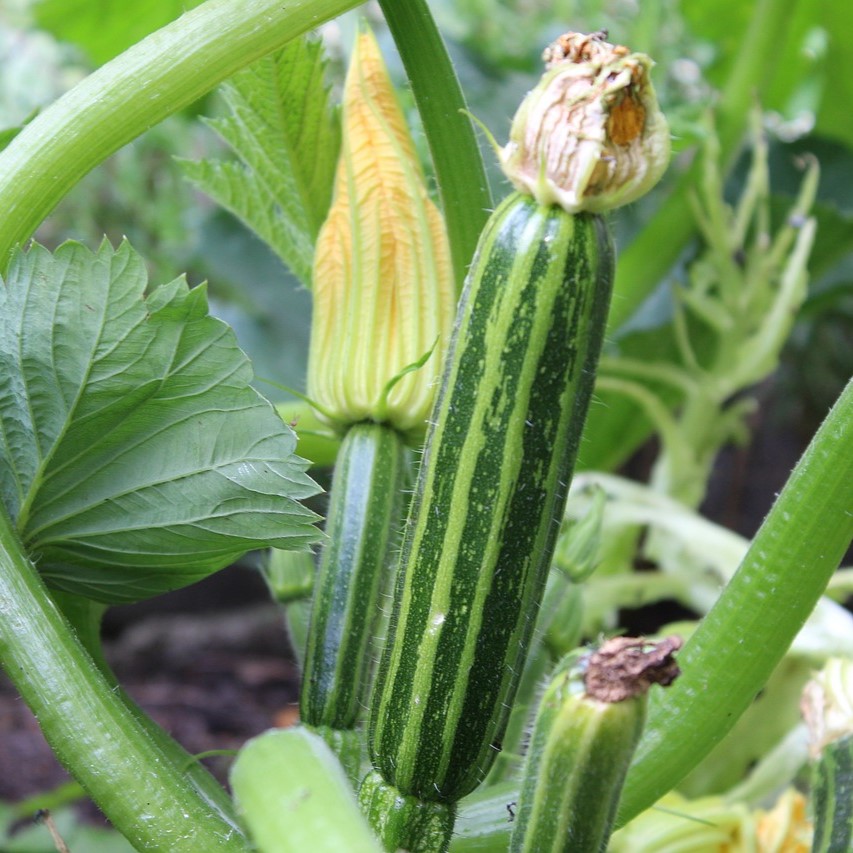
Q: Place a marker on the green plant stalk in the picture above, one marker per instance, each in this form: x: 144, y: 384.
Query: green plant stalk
x: 90, y: 729
x: 405, y: 822
x: 294, y: 796
x: 290, y: 577
x: 85, y: 617
x: 462, y: 183
x: 644, y: 263
x: 364, y: 516
x: 738, y: 644
x: 156, y: 77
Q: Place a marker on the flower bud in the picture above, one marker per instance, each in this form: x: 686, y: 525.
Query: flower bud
x: 590, y: 136
x: 383, y: 290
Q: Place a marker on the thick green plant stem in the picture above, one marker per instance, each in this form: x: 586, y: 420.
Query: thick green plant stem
x: 462, y: 183
x: 85, y: 617
x: 364, y: 517
x: 745, y: 635
x: 644, y: 263
x: 155, y: 78
x: 88, y: 726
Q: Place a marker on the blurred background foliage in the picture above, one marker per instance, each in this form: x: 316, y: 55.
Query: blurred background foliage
x: 47, y: 45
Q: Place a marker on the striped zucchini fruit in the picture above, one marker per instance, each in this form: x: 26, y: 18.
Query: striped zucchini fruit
x: 832, y: 798
x: 489, y: 496
x: 364, y: 513
x: 587, y: 727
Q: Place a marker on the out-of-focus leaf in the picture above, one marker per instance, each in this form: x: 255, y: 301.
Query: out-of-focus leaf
x: 7, y: 135
x: 105, y: 29
x: 833, y: 117
x: 252, y: 291
x: 286, y: 135
x: 813, y: 72
x: 135, y: 457
x: 36, y: 838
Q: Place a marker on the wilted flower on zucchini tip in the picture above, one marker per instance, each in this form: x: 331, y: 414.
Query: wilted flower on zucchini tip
x: 827, y: 704
x: 383, y: 289
x: 590, y: 136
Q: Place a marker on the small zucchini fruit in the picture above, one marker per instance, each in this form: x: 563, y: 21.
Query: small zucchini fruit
x: 587, y: 728
x: 361, y: 527
x: 827, y: 706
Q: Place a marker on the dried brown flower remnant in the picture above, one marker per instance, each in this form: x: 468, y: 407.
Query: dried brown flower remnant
x: 590, y: 136
x: 625, y: 667
x: 581, y: 47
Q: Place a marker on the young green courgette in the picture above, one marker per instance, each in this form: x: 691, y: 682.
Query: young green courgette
x: 832, y: 798
x: 505, y: 430
x: 383, y: 309
x: 827, y: 707
x: 490, y: 495
x: 587, y: 727
x: 364, y: 513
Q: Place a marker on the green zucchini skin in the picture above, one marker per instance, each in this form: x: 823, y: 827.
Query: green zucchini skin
x: 832, y: 798
x: 490, y: 492
x: 364, y: 515
x: 405, y: 822
x: 576, y: 764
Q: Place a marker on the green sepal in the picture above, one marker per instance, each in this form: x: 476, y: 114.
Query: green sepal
x: 404, y: 822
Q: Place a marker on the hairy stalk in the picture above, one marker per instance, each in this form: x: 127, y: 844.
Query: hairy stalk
x: 153, y: 79
x: 85, y: 616
x: 90, y: 729
x: 745, y: 635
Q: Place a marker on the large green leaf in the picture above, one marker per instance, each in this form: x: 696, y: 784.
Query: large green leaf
x: 134, y: 456
x: 286, y: 135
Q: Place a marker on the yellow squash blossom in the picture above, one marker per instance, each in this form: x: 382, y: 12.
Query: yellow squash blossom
x: 676, y: 824
x: 383, y: 289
